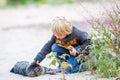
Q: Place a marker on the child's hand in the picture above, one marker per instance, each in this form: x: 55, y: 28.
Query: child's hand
x: 72, y: 51
x: 35, y: 62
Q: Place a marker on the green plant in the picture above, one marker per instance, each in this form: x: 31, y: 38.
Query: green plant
x: 24, y: 2
x: 63, y: 64
x: 107, y: 65
x: 108, y: 28
x: 18, y: 2
x: 106, y: 43
x: 40, y: 1
x: 59, y: 1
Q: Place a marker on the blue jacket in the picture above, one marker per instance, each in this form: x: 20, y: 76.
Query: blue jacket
x: 76, y: 38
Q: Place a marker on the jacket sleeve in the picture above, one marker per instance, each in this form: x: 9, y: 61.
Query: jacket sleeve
x: 83, y: 40
x: 45, y: 50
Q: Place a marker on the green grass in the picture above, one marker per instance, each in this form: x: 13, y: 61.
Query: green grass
x: 24, y: 2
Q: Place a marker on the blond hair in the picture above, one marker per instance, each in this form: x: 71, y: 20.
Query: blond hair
x: 61, y: 26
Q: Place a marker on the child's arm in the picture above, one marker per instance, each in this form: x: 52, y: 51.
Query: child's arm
x: 45, y: 50
x: 84, y: 40
x: 35, y: 62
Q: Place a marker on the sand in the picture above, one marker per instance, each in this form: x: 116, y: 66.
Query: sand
x: 24, y: 30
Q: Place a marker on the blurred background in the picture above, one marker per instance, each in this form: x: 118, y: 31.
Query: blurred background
x: 35, y: 12
x: 26, y: 2
x: 25, y: 24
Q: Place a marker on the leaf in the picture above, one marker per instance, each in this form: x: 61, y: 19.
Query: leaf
x: 63, y: 56
x: 64, y: 65
x: 53, y: 62
x: 51, y: 55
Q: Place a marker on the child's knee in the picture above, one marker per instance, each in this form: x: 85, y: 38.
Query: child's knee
x: 54, y: 47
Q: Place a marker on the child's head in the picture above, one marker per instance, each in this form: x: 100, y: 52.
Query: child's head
x: 61, y: 27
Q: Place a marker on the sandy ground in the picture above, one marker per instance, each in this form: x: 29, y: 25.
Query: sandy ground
x: 24, y: 30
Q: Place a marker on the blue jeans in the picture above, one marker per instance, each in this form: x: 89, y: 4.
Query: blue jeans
x: 71, y: 59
